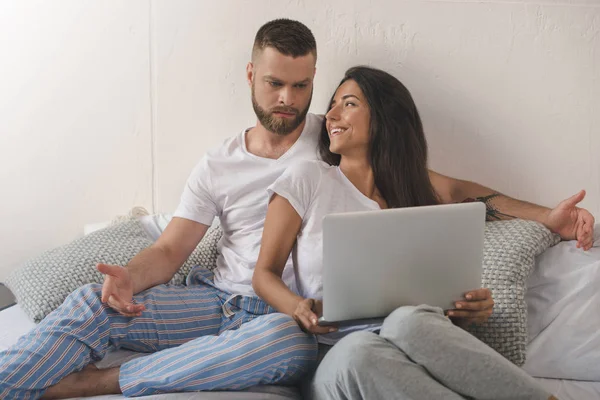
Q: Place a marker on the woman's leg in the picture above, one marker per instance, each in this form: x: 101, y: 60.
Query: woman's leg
x: 363, y: 365
x: 456, y: 358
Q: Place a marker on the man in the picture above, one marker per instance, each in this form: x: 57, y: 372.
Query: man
x: 214, y: 334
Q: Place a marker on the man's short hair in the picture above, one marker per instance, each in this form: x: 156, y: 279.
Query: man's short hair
x: 289, y: 37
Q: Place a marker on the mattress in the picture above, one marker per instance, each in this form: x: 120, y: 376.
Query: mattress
x: 15, y: 323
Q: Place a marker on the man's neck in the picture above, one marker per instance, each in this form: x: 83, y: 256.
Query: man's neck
x: 264, y: 143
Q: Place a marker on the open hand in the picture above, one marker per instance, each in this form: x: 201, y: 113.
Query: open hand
x: 117, y: 290
x: 571, y: 222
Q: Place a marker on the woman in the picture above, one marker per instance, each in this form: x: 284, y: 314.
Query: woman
x: 375, y: 157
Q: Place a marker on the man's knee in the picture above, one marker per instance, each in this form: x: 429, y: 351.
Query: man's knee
x: 91, y: 290
x: 89, y: 294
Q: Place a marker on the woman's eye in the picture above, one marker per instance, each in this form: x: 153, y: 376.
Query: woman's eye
x: 349, y: 103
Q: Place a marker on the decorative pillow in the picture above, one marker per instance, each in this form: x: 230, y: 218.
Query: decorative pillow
x: 509, y: 252
x: 43, y: 283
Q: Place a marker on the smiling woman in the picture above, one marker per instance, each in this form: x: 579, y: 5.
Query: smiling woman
x: 375, y: 157
x: 373, y: 117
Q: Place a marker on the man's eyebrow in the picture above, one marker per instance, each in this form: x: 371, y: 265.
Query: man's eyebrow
x: 272, y: 78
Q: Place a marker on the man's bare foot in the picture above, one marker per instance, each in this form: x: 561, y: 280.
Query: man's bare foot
x: 90, y: 381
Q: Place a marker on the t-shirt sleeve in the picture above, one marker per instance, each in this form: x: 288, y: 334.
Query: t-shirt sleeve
x: 298, y: 185
x: 198, y: 202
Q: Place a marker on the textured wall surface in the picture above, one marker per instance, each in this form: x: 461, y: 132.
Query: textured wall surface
x: 509, y: 91
x: 109, y: 104
x: 74, y: 119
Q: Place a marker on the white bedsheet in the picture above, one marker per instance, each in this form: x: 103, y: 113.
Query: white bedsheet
x: 563, y: 300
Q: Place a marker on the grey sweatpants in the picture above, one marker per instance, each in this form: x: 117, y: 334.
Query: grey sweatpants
x: 419, y: 354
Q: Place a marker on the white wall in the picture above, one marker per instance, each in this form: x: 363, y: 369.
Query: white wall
x: 97, y: 90
x: 74, y: 119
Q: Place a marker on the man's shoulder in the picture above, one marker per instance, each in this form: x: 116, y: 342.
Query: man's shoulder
x: 226, y: 148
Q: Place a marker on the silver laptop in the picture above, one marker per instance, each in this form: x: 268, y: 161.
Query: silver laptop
x: 377, y: 261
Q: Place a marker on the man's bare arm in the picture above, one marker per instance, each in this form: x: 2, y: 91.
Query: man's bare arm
x: 158, y: 263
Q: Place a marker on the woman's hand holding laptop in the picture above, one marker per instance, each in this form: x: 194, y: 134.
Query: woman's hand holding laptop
x: 475, y: 309
x: 307, y: 316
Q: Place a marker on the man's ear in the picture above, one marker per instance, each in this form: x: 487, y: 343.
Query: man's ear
x: 250, y: 73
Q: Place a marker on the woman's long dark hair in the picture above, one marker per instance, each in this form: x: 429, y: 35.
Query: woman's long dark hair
x: 397, y: 146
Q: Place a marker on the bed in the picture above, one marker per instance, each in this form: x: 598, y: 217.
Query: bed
x: 564, y: 327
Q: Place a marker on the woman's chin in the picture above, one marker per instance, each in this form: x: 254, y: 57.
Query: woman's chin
x: 335, y: 149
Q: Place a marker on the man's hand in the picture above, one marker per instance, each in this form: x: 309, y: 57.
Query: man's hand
x: 307, y: 315
x: 117, y: 290
x: 475, y: 309
x: 571, y: 222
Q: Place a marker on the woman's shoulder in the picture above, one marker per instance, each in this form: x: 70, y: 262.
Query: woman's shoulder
x: 309, y: 168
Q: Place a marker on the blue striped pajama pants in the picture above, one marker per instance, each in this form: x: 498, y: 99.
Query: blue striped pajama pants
x: 201, y: 338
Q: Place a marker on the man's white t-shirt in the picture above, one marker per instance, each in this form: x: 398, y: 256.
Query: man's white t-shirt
x: 316, y: 189
x: 231, y: 183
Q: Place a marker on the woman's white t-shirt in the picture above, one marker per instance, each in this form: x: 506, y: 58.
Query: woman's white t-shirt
x: 316, y: 189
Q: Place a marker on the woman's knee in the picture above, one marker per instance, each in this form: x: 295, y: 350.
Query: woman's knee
x: 354, y: 352
x: 409, y: 324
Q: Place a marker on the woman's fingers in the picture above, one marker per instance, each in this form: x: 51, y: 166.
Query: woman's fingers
x: 309, y: 323
x: 474, y: 306
x: 469, y: 314
x: 478, y: 295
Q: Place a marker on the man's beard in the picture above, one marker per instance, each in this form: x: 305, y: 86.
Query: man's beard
x: 277, y: 125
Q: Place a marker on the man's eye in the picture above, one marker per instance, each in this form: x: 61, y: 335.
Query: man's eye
x: 301, y: 85
x: 274, y: 84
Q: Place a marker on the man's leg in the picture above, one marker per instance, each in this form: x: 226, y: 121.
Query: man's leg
x: 456, y: 358
x: 363, y: 365
x: 82, y: 330
x: 269, y: 349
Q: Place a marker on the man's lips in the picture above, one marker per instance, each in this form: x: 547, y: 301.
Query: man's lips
x: 284, y: 114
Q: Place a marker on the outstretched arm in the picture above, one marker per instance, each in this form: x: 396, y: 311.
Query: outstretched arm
x: 568, y: 220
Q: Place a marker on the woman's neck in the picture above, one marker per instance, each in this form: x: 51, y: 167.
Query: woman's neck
x: 360, y: 173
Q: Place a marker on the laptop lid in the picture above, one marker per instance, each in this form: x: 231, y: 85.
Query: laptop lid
x: 377, y: 261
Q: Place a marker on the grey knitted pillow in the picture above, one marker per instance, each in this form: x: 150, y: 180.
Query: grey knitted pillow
x: 43, y: 283
x: 509, y: 252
